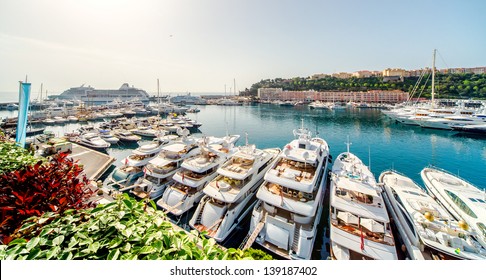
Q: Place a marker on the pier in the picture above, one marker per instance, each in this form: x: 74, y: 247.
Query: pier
x: 94, y: 163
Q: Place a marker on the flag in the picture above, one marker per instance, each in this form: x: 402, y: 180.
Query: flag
x: 361, y: 235
x: 182, y: 176
x: 24, y: 96
x: 126, y: 160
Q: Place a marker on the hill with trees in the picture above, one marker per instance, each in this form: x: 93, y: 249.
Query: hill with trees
x: 458, y: 86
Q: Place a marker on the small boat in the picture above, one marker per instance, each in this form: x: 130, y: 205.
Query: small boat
x: 126, y: 136
x: 12, y: 107
x: 49, y: 121
x: 427, y: 230
x: 462, y: 199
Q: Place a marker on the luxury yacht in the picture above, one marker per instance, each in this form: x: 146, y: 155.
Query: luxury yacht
x: 142, y: 155
x: 159, y: 171
x: 108, y: 136
x: 124, y: 176
x: 190, y: 180
x: 462, y: 199
x: 427, y: 230
x: 145, y: 131
x: 126, y: 136
x: 359, y: 222
x: 93, y: 141
x: 285, y: 219
x: 230, y: 196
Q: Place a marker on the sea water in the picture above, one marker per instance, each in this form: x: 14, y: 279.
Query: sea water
x: 377, y: 141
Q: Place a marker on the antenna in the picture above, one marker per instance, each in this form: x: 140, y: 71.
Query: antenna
x: 348, y: 144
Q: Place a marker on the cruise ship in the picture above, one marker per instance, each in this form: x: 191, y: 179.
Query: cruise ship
x: 93, y: 96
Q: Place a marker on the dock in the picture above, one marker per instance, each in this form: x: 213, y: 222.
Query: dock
x: 94, y: 163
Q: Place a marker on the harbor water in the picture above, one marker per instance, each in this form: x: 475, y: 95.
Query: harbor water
x: 379, y: 142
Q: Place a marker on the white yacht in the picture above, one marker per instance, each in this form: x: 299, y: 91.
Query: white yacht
x: 285, y: 219
x: 142, y: 155
x: 108, y: 136
x: 124, y: 176
x: 126, y: 136
x: 190, y: 180
x: 230, y: 196
x: 159, y: 171
x: 463, y: 200
x: 93, y: 140
x: 427, y: 230
x: 359, y: 222
x: 145, y: 131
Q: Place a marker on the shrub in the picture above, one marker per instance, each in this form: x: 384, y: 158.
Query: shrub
x: 53, y: 186
x: 124, y: 229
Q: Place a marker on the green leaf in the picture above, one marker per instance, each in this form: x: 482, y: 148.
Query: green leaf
x: 66, y: 256
x: 147, y: 250
x: 53, y: 252
x: 26, y: 226
x: 128, y: 204
x: 93, y: 247
x: 152, y: 203
x: 17, y: 241
x: 34, y: 253
x: 115, y: 242
x: 58, y: 240
x: 32, y: 243
x: 158, y: 245
x: 72, y: 242
x: 113, y: 255
x: 127, y: 232
x: 126, y: 247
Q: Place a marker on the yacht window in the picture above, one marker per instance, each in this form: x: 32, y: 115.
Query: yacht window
x: 461, y: 204
x: 480, y: 200
x: 414, y: 193
x: 301, y: 146
x: 473, y: 199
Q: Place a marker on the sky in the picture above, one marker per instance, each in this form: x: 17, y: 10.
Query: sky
x: 212, y: 45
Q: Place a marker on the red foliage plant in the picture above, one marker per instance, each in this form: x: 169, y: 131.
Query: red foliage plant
x: 55, y: 186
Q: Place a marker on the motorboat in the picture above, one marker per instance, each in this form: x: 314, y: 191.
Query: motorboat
x: 142, y: 155
x: 462, y: 199
x: 159, y: 171
x: 126, y: 136
x: 427, y: 230
x: 106, y: 135
x: 145, y: 131
x: 231, y: 195
x: 471, y: 128
x: 285, y: 219
x: 359, y: 222
x: 93, y: 140
x: 189, y: 181
x: 318, y: 105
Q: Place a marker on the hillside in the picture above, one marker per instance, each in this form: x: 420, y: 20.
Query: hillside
x: 463, y: 86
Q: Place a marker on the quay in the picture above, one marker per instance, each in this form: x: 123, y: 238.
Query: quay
x: 94, y: 163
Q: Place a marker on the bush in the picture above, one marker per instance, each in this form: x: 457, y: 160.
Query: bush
x: 125, y: 229
x: 53, y: 186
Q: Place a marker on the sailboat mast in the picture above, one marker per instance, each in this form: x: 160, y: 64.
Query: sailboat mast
x: 433, y: 78
x: 158, y: 99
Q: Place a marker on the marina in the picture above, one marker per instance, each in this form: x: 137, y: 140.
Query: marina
x: 377, y: 140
